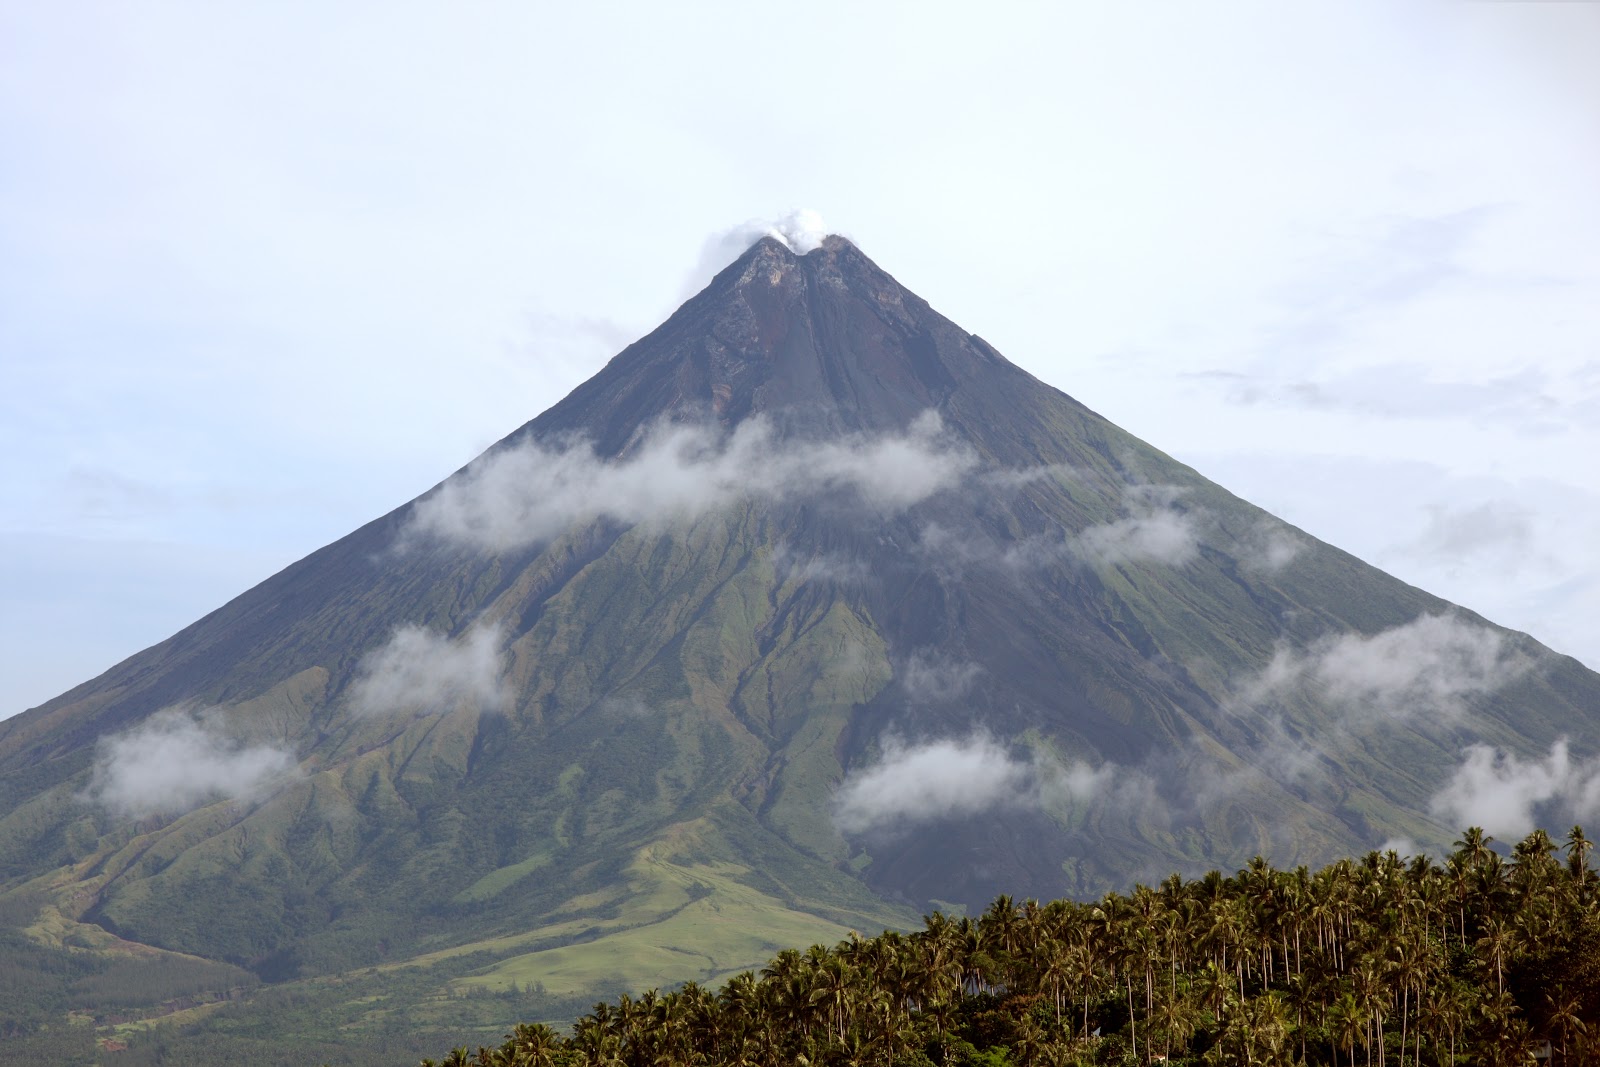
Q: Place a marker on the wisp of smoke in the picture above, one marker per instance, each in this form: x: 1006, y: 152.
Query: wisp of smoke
x: 801, y: 230
x: 418, y: 671
x: 531, y: 493
x: 1503, y: 794
x: 176, y: 761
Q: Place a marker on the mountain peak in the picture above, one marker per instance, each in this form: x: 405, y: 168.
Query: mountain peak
x: 811, y: 332
x: 773, y: 251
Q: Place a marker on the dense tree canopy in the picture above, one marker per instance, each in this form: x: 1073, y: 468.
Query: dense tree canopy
x: 1488, y: 958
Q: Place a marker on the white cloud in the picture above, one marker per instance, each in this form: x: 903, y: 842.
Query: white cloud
x: 1505, y: 795
x: 1403, y: 847
x: 1152, y: 530
x: 1268, y: 547
x: 954, y: 777
x: 1158, y: 535
x: 527, y: 494
x: 1424, y: 667
x: 1078, y: 782
x: 1422, y: 671
x: 418, y: 671
x: 175, y: 761
x: 931, y: 781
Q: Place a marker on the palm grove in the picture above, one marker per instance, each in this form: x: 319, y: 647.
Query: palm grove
x: 1485, y: 959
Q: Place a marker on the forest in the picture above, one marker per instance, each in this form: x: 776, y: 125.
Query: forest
x: 1492, y: 957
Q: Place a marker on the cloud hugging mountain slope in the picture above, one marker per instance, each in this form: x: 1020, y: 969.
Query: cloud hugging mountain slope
x: 809, y: 607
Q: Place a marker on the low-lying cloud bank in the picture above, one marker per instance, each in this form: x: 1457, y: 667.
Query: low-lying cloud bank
x: 954, y: 777
x: 418, y: 671
x: 1424, y: 668
x: 1506, y: 795
x: 528, y: 494
x: 176, y: 761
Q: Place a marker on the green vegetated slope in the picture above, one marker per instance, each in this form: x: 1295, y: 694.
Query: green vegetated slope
x: 600, y: 838
x: 650, y: 794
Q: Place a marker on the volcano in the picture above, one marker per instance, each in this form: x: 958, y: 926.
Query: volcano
x: 809, y: 612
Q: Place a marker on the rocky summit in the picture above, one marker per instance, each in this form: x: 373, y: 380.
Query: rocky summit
x: 809, y: 612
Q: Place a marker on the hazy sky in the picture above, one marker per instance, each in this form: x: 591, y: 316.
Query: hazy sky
x: 268, y: 271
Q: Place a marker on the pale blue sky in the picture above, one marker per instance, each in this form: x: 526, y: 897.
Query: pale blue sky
x: 267, y: 271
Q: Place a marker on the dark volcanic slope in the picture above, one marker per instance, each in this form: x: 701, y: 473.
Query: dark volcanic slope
x: 1082, y: 620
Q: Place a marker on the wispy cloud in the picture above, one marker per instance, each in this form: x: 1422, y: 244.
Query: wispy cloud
x: 1420, y: 674
x: 795, y: 565
x: 1411, y: 391
x: 931, y: 678
x: 1426, y: 667
x: 931, y: 781
x: 418, y: 672
x: 1268, y: 547
x: 1154, y: 535
x: 1506, y: 795
x: 1153, y: 529
x: 1493, y: 527
x: 527, y: 494
x: 177, y: 760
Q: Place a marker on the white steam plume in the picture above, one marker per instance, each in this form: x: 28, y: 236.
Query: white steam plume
x: 1504, y: 794
x: 801, y: 230
x: 528, y: 494
x: 417, y: 672
x: 1424, y: 667
x: 955, y: 777
x: 175, y: 761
